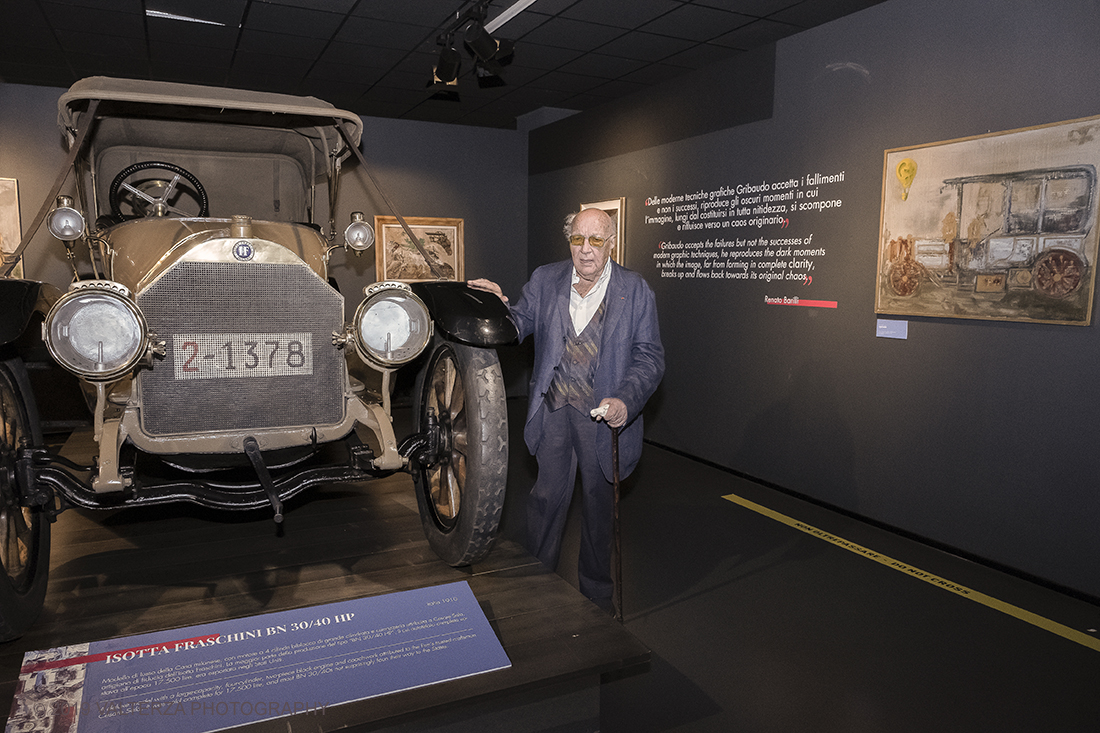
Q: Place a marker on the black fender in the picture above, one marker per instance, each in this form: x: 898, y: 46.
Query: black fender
x: 20, y: 300
x: 468, y: 316
x: 53, y: 393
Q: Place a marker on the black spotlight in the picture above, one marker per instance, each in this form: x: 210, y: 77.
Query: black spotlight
x: 449, y: 65
x: 480, y: 43
x: 444, y: 83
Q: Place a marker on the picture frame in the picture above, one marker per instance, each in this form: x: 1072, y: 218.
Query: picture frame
x: 10, y: 229
x: 1000, y: 226
x: 616, y: 209
x: 397, y: 259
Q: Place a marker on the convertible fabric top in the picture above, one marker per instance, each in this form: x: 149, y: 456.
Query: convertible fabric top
x: 226, y: 129
x: 137, y: 95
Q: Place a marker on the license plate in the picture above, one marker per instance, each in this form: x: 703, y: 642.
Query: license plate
x: 235, y: 355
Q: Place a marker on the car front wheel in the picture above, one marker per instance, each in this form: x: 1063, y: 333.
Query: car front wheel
x: 24, y: 531
x: 460, y: 488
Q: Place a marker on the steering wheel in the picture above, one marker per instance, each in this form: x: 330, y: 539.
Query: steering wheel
x: 156, y: 198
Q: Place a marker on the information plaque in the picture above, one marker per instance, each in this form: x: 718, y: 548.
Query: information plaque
x: 223, y: 675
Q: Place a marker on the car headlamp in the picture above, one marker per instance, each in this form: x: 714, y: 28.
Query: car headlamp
x: 359, y: 235
x: 65, y: 222
x: 96, y: 331
x: 392, y: 325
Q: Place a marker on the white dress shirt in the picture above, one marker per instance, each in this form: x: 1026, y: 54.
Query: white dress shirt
x: 582, y: 308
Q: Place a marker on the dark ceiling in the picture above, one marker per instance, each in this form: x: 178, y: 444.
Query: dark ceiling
x: 375, y: 57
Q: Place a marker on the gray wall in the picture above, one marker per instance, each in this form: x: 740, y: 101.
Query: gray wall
x: 974, y: 434
x: 31, y: 152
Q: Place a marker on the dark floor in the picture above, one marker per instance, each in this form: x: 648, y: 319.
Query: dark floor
x: 759, y: 627
x: 754, y: 625
x: 120, y: 573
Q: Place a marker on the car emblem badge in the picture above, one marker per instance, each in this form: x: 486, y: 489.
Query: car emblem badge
x: 243, y: 251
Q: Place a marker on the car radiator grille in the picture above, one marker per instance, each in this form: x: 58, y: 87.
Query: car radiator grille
x: 210, y: 302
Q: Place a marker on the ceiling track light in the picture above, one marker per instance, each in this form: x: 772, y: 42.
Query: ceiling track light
x: 490, y: 54
x: 449, y: 65
x: 479, y: 42
x: 444, y: 83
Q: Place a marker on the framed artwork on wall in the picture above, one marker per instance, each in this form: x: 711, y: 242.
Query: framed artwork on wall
x: 396, y: 258
x: 10, y: 231
x: 616, y: 209
x: 1001, y: 226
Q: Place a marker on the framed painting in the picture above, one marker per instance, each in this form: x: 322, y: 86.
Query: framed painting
x: 616, y: 209
x: 10, y: 232
x: 997, y: 227
x: 396, y: 258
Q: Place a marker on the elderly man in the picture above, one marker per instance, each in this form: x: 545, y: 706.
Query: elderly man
x: 597, y: 343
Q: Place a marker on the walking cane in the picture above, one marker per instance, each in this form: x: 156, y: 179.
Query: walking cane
x: 617, y: 570
x: 615, y: 529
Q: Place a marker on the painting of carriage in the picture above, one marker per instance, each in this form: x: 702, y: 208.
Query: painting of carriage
x: 999, y: 226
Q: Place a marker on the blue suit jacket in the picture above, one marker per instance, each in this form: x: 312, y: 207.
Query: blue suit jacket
x: 630, y: 362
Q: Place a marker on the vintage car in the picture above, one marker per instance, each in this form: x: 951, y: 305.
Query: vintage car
x: 214, y: 350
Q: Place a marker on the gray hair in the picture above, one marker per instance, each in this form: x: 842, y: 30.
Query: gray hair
x: 569, y: 223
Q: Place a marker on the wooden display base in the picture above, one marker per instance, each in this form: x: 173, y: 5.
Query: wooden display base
x: 134, y: 571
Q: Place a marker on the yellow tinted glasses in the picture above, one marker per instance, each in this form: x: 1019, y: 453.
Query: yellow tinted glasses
x: 577, y: 240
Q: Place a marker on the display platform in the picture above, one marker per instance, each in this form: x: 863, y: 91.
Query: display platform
x: 138, y: 571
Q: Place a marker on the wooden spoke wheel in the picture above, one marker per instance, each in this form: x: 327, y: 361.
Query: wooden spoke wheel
x: 460, y: 489
x: 1058, y: 273
x: 904, y: 277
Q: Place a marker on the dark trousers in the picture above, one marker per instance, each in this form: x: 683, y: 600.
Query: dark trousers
x: 568, y: 443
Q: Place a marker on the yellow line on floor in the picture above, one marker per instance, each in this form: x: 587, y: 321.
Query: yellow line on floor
x: 968, y: 593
